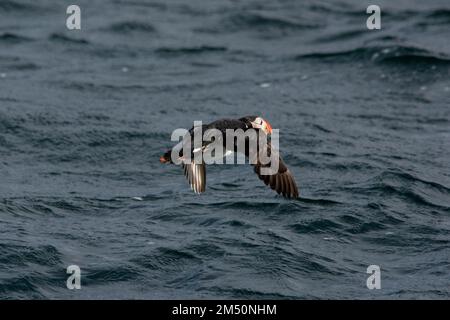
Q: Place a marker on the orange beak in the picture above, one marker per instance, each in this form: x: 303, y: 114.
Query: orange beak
x: 268, y: 127
x: 162, y: 160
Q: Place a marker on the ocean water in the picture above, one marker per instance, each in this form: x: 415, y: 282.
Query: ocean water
x: 364, y: 119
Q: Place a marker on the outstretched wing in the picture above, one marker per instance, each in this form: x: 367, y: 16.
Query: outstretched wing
x: 196, y: 175
x: 282, y: 181
x: 196, y: 172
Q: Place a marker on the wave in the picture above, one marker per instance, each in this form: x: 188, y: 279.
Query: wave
x: 109, y: 274
x: 97, y: 87
x: 330, y: 8
x: 243, y: 293
x: 17, y: 64
x: 29, y: 285
x: 382, y: 54
x: 26, y: 66
x: 18, y: 255
x: 166, y: 258
x: 412, y: 178
x: 316, y: 226
x: 12, y: 38
x: 56, y: 207
x: 61, y: 38
x: 408, y: 187
x: 189, y: 50
x: 23, y: 287
x: 258, y: 20
x: 435, y: 17
x: 322, y: 202
x: 10, y: 6
x: 340, y: 228
x: 10, y: 124
x: 131, y: 26
x: 275, y: 206
x: 94, y: 138
x: 342, y: 35
x: 269, y: 24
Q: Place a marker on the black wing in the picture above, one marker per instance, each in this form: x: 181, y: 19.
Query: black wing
x: 282, y: 181
x: 196, y: 175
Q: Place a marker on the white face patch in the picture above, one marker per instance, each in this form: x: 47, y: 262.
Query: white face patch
x: 257, y: 123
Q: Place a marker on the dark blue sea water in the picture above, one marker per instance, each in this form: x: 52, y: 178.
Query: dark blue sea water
x: 364, y: 121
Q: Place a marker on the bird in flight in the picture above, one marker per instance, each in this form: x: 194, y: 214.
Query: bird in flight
x: 280, y: 180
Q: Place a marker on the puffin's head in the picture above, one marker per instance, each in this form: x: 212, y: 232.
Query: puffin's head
x: 166, y: 157
x: 258, y: 123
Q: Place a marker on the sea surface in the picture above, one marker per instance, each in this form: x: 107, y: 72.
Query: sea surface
x: 364, y: 119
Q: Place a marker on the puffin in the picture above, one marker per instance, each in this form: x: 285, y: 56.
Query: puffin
x: 282, y: 181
